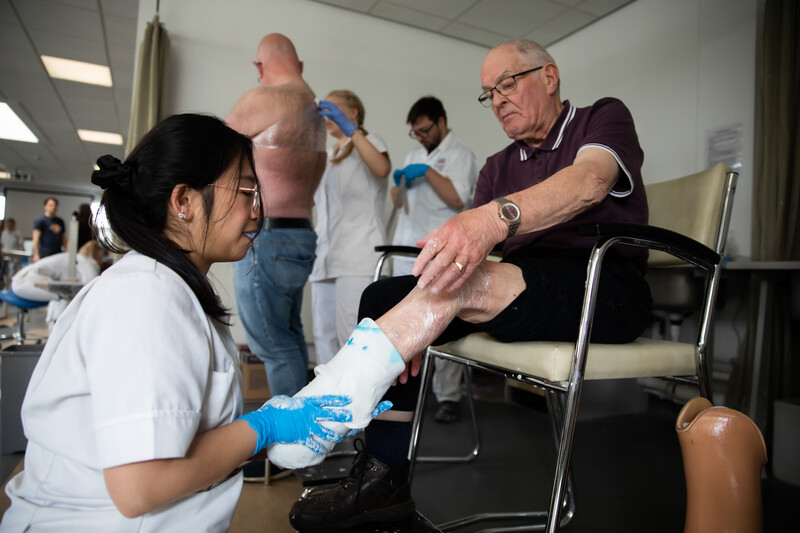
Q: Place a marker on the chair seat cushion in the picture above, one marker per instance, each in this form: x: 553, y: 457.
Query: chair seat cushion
x: 552, y: 361
x: 12, y: 299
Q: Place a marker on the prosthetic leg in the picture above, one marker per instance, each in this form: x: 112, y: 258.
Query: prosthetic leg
x: 723, y: 453
x: 363, y: 369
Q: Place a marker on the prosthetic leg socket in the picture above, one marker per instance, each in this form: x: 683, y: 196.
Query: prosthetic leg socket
x: 363, y: 369
x: 723, y: 453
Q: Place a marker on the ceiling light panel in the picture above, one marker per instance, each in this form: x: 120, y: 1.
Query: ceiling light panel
x: 12, y: 127
x: 68, y: 69
x: 102, y: 137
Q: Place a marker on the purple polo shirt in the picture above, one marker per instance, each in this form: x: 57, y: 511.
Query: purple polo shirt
x: 608, y: 125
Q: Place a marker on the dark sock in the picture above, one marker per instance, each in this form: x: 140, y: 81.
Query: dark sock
x: 387, y: 441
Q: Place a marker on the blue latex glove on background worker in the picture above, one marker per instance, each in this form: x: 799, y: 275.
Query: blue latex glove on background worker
x: 411, y: 172
x: 330, y: 111
x: 297, y: 420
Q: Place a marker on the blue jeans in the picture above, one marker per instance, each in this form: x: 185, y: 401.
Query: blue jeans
x: 269, y: 284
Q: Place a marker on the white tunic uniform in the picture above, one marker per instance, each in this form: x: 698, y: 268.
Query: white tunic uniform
x: 350, y: 204
x: 133, y: 370
x: 426, y: 210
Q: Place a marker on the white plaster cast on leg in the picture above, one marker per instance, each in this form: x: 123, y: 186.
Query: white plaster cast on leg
x: 363, y: 369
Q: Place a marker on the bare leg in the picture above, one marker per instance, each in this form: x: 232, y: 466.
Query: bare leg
x: 377, y: 352
x: 414, y: 323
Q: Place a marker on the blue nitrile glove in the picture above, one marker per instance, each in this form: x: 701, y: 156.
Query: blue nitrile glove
x: 398, y: 175
x: 329, y: 110
x: 412, y: 172
x: 382, y: 407
x: 297, y: 420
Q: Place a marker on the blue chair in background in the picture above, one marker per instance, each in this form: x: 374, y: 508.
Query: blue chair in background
x: 23, y: 306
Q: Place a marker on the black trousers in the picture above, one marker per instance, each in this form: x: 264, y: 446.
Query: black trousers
x: 548, y: 309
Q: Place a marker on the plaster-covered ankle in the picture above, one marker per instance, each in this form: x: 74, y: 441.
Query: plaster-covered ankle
x: 363, y: 369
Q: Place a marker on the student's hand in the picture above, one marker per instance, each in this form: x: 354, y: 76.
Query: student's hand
x: 411, y: 172
x: 330, y: 111
x: 297, y: 420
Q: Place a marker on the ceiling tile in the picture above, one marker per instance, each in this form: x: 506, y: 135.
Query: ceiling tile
x: 356, y: 5
x: 449, y: 9
x: 90, y: 5
x: 516, y: 17
x: 60, y: 19
x: 128, y: 8
x: 602, y: 7
x: 402, y: 14
x: 561, y: 26
x: 120, y: 30
x: 121, y: 58
x: 473, y: 34
x: 7, y: 14
x: 68, y: 47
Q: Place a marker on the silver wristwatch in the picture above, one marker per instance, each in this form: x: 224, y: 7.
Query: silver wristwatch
x: 509, y: 212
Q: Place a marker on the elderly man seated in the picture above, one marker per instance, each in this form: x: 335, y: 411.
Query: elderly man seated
x: 566, y: 166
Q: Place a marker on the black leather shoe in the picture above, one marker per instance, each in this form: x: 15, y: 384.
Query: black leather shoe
x: 371, y: 493
x: 448, y: 412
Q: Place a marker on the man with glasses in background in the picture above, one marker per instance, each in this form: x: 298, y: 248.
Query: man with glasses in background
x: 565, y: 167
x: 436, y: 182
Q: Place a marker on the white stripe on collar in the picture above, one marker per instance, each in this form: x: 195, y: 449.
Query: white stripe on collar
x: 523, y: 156
x: 567, y: 120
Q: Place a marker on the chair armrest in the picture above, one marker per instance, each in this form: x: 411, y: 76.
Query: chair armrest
x: 392, y: 249
x: 654, y: 238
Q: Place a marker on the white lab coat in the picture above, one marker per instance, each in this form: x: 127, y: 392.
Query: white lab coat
x: 350, y: 204
x: 133, y: 370
x: 426, y: 211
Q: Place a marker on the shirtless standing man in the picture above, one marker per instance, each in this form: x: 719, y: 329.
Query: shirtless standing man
x: 289, y: 150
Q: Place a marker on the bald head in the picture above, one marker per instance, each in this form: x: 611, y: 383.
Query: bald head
x: 531, y: 102
x: 277, y: 60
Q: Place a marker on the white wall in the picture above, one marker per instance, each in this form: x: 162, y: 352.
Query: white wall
x: 682, y: 66
x: 25, y: 206
x: 388, y: 65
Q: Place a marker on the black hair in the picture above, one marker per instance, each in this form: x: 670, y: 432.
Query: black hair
x: 183, y: 149
x: 50, y: 198
x: 427, y: 106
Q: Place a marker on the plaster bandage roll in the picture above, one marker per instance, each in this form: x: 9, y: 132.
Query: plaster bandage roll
x: 363, y: 369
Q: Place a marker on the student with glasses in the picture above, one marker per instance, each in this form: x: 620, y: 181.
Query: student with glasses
x: 566, y: 166
x: 134, y: 413
x: 438, y: 180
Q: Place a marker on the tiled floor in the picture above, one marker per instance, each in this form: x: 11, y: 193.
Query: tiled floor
x: 627, y: 468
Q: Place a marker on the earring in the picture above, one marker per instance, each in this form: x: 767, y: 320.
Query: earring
x: 181, y: 215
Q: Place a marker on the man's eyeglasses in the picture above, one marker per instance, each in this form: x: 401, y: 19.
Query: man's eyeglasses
x: 504, y: 87
x: 422, y: 132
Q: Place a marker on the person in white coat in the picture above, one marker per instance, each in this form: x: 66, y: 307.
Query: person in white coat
x: 31, y: 281
x: 350, y: 204
x: 437, y: 182
x: 133, y: 414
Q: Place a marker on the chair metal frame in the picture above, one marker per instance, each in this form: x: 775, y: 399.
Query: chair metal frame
x: 565, y: 412
x: 386, y: 252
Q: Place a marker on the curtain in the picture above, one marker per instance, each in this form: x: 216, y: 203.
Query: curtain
x: 776, y: 205
x: 148, y: 89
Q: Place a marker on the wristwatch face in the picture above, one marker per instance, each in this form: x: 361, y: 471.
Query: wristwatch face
x: 509, y: 211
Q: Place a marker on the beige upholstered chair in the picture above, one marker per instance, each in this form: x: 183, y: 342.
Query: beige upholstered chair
x: 689, y: 221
